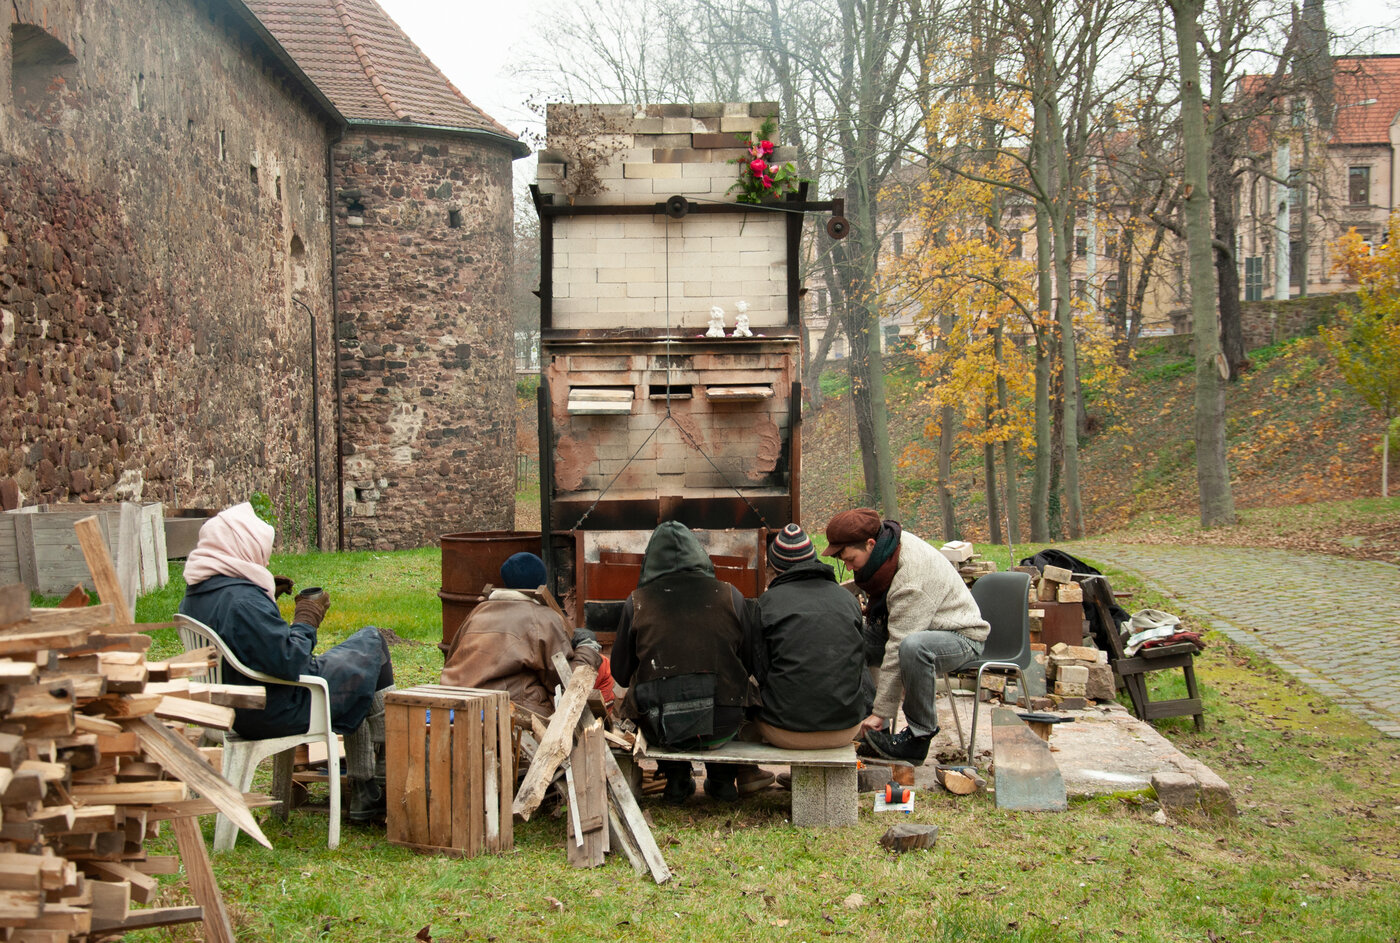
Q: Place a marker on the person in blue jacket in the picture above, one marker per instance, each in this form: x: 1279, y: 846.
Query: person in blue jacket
x: 231, y: 590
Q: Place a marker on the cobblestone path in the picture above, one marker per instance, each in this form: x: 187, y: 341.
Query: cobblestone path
x: 1332, y: 623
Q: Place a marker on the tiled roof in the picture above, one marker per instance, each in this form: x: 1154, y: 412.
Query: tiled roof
x: 368, y: 68
x: 1367, y: 94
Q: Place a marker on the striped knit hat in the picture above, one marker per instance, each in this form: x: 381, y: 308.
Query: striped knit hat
x: 790, y: 548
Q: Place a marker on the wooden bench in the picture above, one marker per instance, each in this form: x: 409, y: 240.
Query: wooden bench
x: 824, y: 782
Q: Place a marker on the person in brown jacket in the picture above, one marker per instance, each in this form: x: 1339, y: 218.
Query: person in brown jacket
x: 509, y: 640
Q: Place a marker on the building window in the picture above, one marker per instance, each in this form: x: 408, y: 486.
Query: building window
x: 1295, y: 262
x: 1080, y: 288
x: 1359, y: 186
x: 1016, y: 238
x: 898, y: 240
x: 1081, y: 244
x: 1110, y: 292
x: 1110, y: 248
x: 1295, y: 188
x: 1254, y: 278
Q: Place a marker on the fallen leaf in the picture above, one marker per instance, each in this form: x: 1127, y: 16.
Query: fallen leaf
x: 424, y: 935
x: 556, y: 903
x: 854, y: 902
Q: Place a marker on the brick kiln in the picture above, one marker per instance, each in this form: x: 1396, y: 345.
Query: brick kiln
x: 644, y: 414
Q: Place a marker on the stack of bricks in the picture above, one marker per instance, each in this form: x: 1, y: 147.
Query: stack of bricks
x: 969, y: 564
x: 1057, y: 585
x: 1077, y: 675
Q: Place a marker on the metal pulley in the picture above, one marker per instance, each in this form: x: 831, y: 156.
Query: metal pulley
x: 677, y: 206
x: 838, y: 227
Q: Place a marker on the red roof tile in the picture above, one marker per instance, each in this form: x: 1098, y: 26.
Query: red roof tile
x: 1367, y: 94
x: 366, y: 65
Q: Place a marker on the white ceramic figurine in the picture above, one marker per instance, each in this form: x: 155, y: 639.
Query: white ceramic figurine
x: 716, y: 322
x: 741, y: 322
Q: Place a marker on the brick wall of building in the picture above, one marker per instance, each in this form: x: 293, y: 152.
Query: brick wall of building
x: 423, y: 251
x: 162, y: 200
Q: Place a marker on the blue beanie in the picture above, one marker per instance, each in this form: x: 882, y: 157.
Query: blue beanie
x: 523, y: 571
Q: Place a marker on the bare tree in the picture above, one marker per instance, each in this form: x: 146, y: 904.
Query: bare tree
x: 1212, y: 466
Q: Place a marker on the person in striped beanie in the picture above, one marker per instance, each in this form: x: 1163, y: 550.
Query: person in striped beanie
x: 810, y: 663
x: 790, y: 547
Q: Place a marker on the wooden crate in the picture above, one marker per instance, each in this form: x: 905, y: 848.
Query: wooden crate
x: 450, y: 769
x: 39, y: 543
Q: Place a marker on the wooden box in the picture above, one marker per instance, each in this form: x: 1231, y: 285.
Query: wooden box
x: 450, y: 769
x: 38, y: 546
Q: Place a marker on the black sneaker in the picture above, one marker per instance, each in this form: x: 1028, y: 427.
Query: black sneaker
x: 679, y: 789
x: 725, y: 790
x: 904, y: 746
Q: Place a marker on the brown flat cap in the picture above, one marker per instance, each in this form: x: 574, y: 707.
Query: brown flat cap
x: 851, y: 527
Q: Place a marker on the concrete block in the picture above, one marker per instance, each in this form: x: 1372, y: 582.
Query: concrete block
x: 637, y: 170
x: 707, y: 109
x: 763, y: 109
x: 1069, y: 592
x: 712, y: 140
x: 1176, y: 791
x: 1069, y: 702
x: 824, y: 796
x: 1069, y: 688
x: 1087, y: 653
x: 1072, y: 674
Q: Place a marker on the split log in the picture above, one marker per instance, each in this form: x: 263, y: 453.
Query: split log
x: 909, y: 837
x: 557, y: 743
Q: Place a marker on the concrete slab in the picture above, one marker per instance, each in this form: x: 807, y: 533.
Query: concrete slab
x: 1105, y: 750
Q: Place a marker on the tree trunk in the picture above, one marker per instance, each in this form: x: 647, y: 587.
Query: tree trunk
x: 1227, y: 273
x: 989, y: 471
x: 1063, y: 206
x: 1040, y: 480
x: 1212, y: 466
x: 1008, y: 453
x: 946, y: 421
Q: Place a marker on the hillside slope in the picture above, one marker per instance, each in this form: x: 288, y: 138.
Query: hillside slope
x: 1297, y: 436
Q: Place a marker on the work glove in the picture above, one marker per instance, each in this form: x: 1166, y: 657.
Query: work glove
x: 282, y: 585
x: 311, y: 606
x: 587, y: 651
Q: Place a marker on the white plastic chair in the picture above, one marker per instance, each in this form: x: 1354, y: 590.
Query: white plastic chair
x: 241, y: 757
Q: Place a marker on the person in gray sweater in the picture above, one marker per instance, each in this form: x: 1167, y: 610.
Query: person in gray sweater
x: 920, y: 622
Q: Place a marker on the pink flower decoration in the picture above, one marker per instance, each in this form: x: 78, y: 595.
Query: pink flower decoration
x: 766, y: 147
x: 767, y: 182
x: 758, y: 167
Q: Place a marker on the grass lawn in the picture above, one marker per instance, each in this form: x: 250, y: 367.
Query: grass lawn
x: 1314, y: 855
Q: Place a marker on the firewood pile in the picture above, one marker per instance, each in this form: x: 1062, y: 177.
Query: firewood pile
x: 603, y: 814
x: 91, y: 766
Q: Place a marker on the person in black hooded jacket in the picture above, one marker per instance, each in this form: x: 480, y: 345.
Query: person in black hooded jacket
x: 684, y: 649
x: 810, y: 663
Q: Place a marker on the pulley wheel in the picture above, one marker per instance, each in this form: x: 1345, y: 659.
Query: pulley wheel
x: 837, y: 227
x: 677, y: 206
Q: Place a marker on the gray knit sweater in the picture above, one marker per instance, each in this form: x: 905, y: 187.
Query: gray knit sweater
x: 927, y: 594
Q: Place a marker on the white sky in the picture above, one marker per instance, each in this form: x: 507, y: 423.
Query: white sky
x: 473, y: 43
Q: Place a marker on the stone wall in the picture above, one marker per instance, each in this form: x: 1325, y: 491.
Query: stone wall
x: 423, y: 251
x: 162, y: 200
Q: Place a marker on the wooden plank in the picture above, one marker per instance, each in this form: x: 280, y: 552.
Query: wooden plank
x: 139, y: 793
x: 203, y: 887
x: 104, y: 576
x: 184, y: 761
x: 195, y: 712
x: 557, y: 743
x: 24, y: 546
x: 396, y: 718
x: 187, y: 807
x: 476, y: 782
x: 440, y: 774
x: 157, y: 864
x: 151, y: 917
x: 144, y: 888
x: 492, y: 799
x: 14, y: 604
x: 128, y: 543
x: 629, y: 820
x: 110, y: 899
x: 463, y: 786
x: 590, y: 791
x: 417, y: 790
x: 505, y: 781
